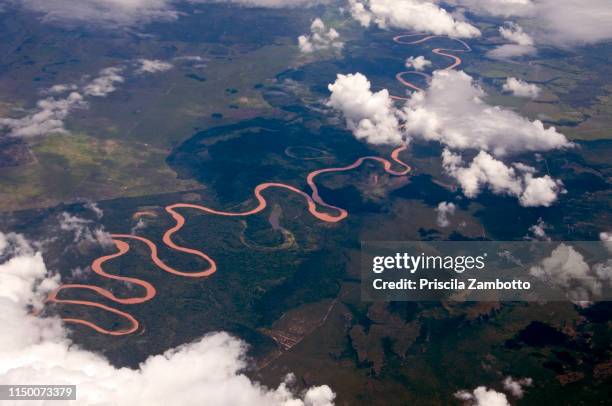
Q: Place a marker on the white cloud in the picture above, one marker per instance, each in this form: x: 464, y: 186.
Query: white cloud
x: 419, y: 63
x: 102, y: 12
x: 84, y: 231
x: 59, y: 89
x: 267, y: 3
x: 505, y: 8
x: 360, y: 13
x: 417, y: 15
x: 522, y: 43
x: 140, y: 225
x: 93, y: 206
x: 444, y: 209
x: 566, y: 268
x: 521, y: 88
x: 46, y: 118
x: 482, y: 396
x: 540, y: 191
x: 38, y: 350
x: 320, y: 38
x: 152, y: 66
x: 509, y: 51
x: 79, y: 273
x: 370, y: 116
x: 554, y: 22
x: 603, y: 272
x: 487, y: 172
x: 606, y: 237
x: 24, y: 283
x: 105, y: 83
x: 191, y: 58
x: 538, y: 230
x: 318, y: 396
x: 452, y: 111
x: 516, y: 387
x: 514, y: 33
x: 50, y: 113
x: 573, y: 22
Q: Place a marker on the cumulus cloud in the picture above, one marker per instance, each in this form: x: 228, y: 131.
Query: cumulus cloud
x: 105, y: 83
x: 318, y: 396
x: 320, y: 38
x: 517, y: 180
x: 140, y: 225
x: 418, y: 63
x: 360, y: 13
x: 516, y: 387
x: 24, y: 284
x: 538, y: 231
x: 452, y: 111
x: 606, y: 237
x: 46, y: 118
x: 444, y: 209
x: 522, y: 43
x: 59, y: 89
x: 417, y: 15
x: 152, y: 66
x: 209, y: 370
x: 370, y: 116
x: 49, y: 114
x: 603, y: 272
x: 521, y: 88
x: 482, y: 396
x: 514, y: 33
x: 566, y: 269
